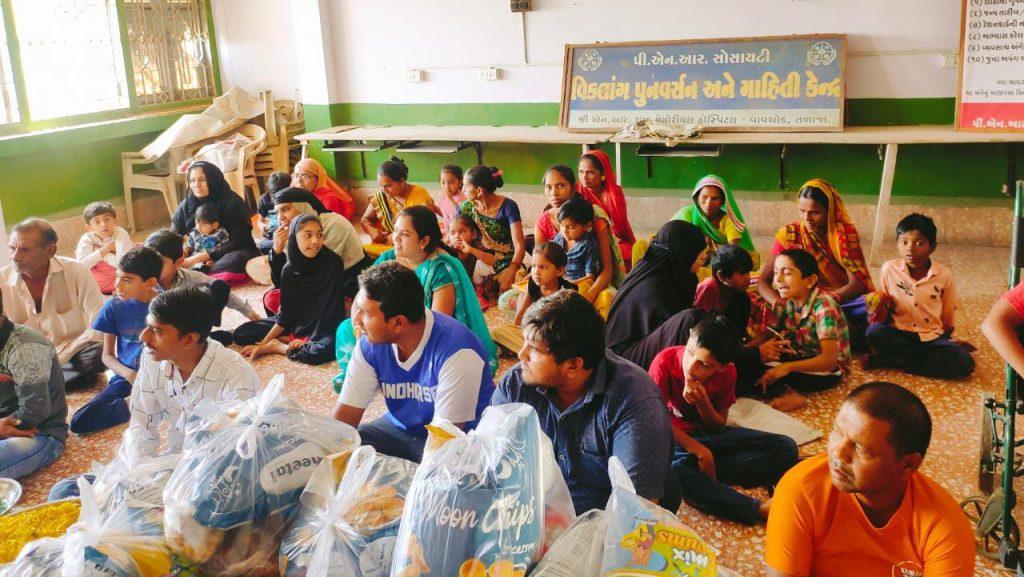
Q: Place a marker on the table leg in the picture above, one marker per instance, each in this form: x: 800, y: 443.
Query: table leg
x: 884, y: 194
x: 618, y: 163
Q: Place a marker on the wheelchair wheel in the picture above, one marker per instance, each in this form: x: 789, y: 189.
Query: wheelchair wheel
x: 988, y: 544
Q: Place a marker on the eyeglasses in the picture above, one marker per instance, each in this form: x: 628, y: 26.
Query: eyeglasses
x: 303, y: 176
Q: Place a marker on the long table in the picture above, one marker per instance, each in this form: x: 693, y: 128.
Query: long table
x: 448, y: 139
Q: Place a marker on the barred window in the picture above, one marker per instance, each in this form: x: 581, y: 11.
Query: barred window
x: 170, y: 50
x: 67, y: 58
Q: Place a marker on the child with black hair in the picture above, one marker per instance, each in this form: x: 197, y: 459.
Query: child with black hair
x: 121, y: 321
x: 268, y: 222
x: 206, y: 237
x: 912, y: 323
x: 103, y: 245
x: 725, y: 290
x: 169, y: 246
x: 810, y: 322
x: 583, y: 260
x: 698, y: 384
x: 183, y: 367
x: 451, y: 195
x: 546, y: 277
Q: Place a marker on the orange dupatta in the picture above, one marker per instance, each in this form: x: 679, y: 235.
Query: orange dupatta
x: 841, y: 254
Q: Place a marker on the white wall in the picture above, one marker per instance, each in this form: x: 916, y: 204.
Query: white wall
x: 895, y: 47
x: 256, y: 46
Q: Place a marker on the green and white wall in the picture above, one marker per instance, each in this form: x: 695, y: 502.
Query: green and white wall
x: 347, y: 59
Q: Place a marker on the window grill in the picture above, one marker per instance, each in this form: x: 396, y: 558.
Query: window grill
x: 170, y: 51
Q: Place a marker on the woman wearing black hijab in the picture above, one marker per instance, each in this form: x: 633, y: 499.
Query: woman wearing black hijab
x: 207, y: 186
x: 653, y: 309
x: 312, y: 301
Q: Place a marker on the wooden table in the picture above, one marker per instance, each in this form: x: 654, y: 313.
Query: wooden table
x: 889, y: 136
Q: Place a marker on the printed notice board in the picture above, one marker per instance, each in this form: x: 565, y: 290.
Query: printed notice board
x: 785, y: 83
x: 991, y: 93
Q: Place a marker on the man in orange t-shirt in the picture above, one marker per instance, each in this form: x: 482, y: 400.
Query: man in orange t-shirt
x: 864, y: 509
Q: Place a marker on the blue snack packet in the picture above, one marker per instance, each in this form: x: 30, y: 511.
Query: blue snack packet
x: 484, y: 505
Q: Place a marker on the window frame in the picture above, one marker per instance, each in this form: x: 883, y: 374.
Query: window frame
x: 25, y: 123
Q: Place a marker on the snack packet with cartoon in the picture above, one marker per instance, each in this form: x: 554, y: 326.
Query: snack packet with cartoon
x: 644, y: 539
x: 236, y: 490
x: 486, y: 504
x: 578, y: 552
x: 348, y: 527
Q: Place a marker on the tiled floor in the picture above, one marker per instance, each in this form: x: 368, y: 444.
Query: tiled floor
x: 954, y: 407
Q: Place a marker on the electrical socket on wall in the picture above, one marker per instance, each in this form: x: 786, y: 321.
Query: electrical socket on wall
x: 950, y: 60
x: 520, y: 5
x: 414, y: 75
x: 490, y: 73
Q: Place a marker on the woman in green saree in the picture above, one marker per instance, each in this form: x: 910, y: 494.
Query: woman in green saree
x: 447, y: 287
x: 715, y: 212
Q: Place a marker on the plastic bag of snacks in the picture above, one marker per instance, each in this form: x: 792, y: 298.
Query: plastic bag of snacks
x: 644, y: 539
x: 132, y: 476
x: 486, y: 504
x: 235, y: 491
x: 122, y: 542
x: 578, y: 552
x: 348, y: 527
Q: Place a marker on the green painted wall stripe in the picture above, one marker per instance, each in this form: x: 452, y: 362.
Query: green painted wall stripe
x: 972, y: 171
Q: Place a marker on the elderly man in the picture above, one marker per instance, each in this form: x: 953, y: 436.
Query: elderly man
x: 56, y: 296
x: 864, y: 507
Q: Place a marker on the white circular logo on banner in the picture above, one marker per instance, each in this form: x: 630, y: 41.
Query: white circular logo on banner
x: 589, y: 60
x: 821, y: 54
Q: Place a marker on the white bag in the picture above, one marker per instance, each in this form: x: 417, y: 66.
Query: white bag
x: 236, y: 490
x: 578, y: 552
x: 348, y: 527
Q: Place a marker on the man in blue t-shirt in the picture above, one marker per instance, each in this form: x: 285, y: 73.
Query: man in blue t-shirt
x: 425, y: 364
x: 592, y: 403
x: 121, y: 320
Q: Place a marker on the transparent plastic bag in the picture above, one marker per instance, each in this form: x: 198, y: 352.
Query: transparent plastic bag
x: 132, y: 476
x: 486, y: 504
x: 236, y: 490
x: 643, y: 538
x: 124, y: 541
x: 578, y: 552
x: 348, y: 527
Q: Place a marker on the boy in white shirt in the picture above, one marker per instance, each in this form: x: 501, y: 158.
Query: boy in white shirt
x: 101, y: 248
x: 180, y: 367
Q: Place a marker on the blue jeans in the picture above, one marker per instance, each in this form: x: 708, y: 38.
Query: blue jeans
x: 105, y: 410
x: 21, y: 456
x: 385, y: 436
x: 743, y: 457
x: 940, y: 358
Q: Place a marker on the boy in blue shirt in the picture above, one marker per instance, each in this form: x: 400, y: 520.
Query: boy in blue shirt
x: 121, y: 320
x: 576, y: 219
x: 426, y: 364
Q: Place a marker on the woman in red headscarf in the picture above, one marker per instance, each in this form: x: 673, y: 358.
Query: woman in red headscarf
x: 597, y: 185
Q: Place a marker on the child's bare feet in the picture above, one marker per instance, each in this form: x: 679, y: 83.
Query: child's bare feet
x: 789, y: 401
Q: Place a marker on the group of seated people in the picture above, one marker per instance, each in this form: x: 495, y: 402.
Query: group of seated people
x: 625, y: 350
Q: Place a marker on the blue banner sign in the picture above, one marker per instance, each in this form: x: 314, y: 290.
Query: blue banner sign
x: 789, y: 83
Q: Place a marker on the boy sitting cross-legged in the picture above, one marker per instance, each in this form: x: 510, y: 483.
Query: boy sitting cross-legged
x: 121, y: 321
x: 912, y: 325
